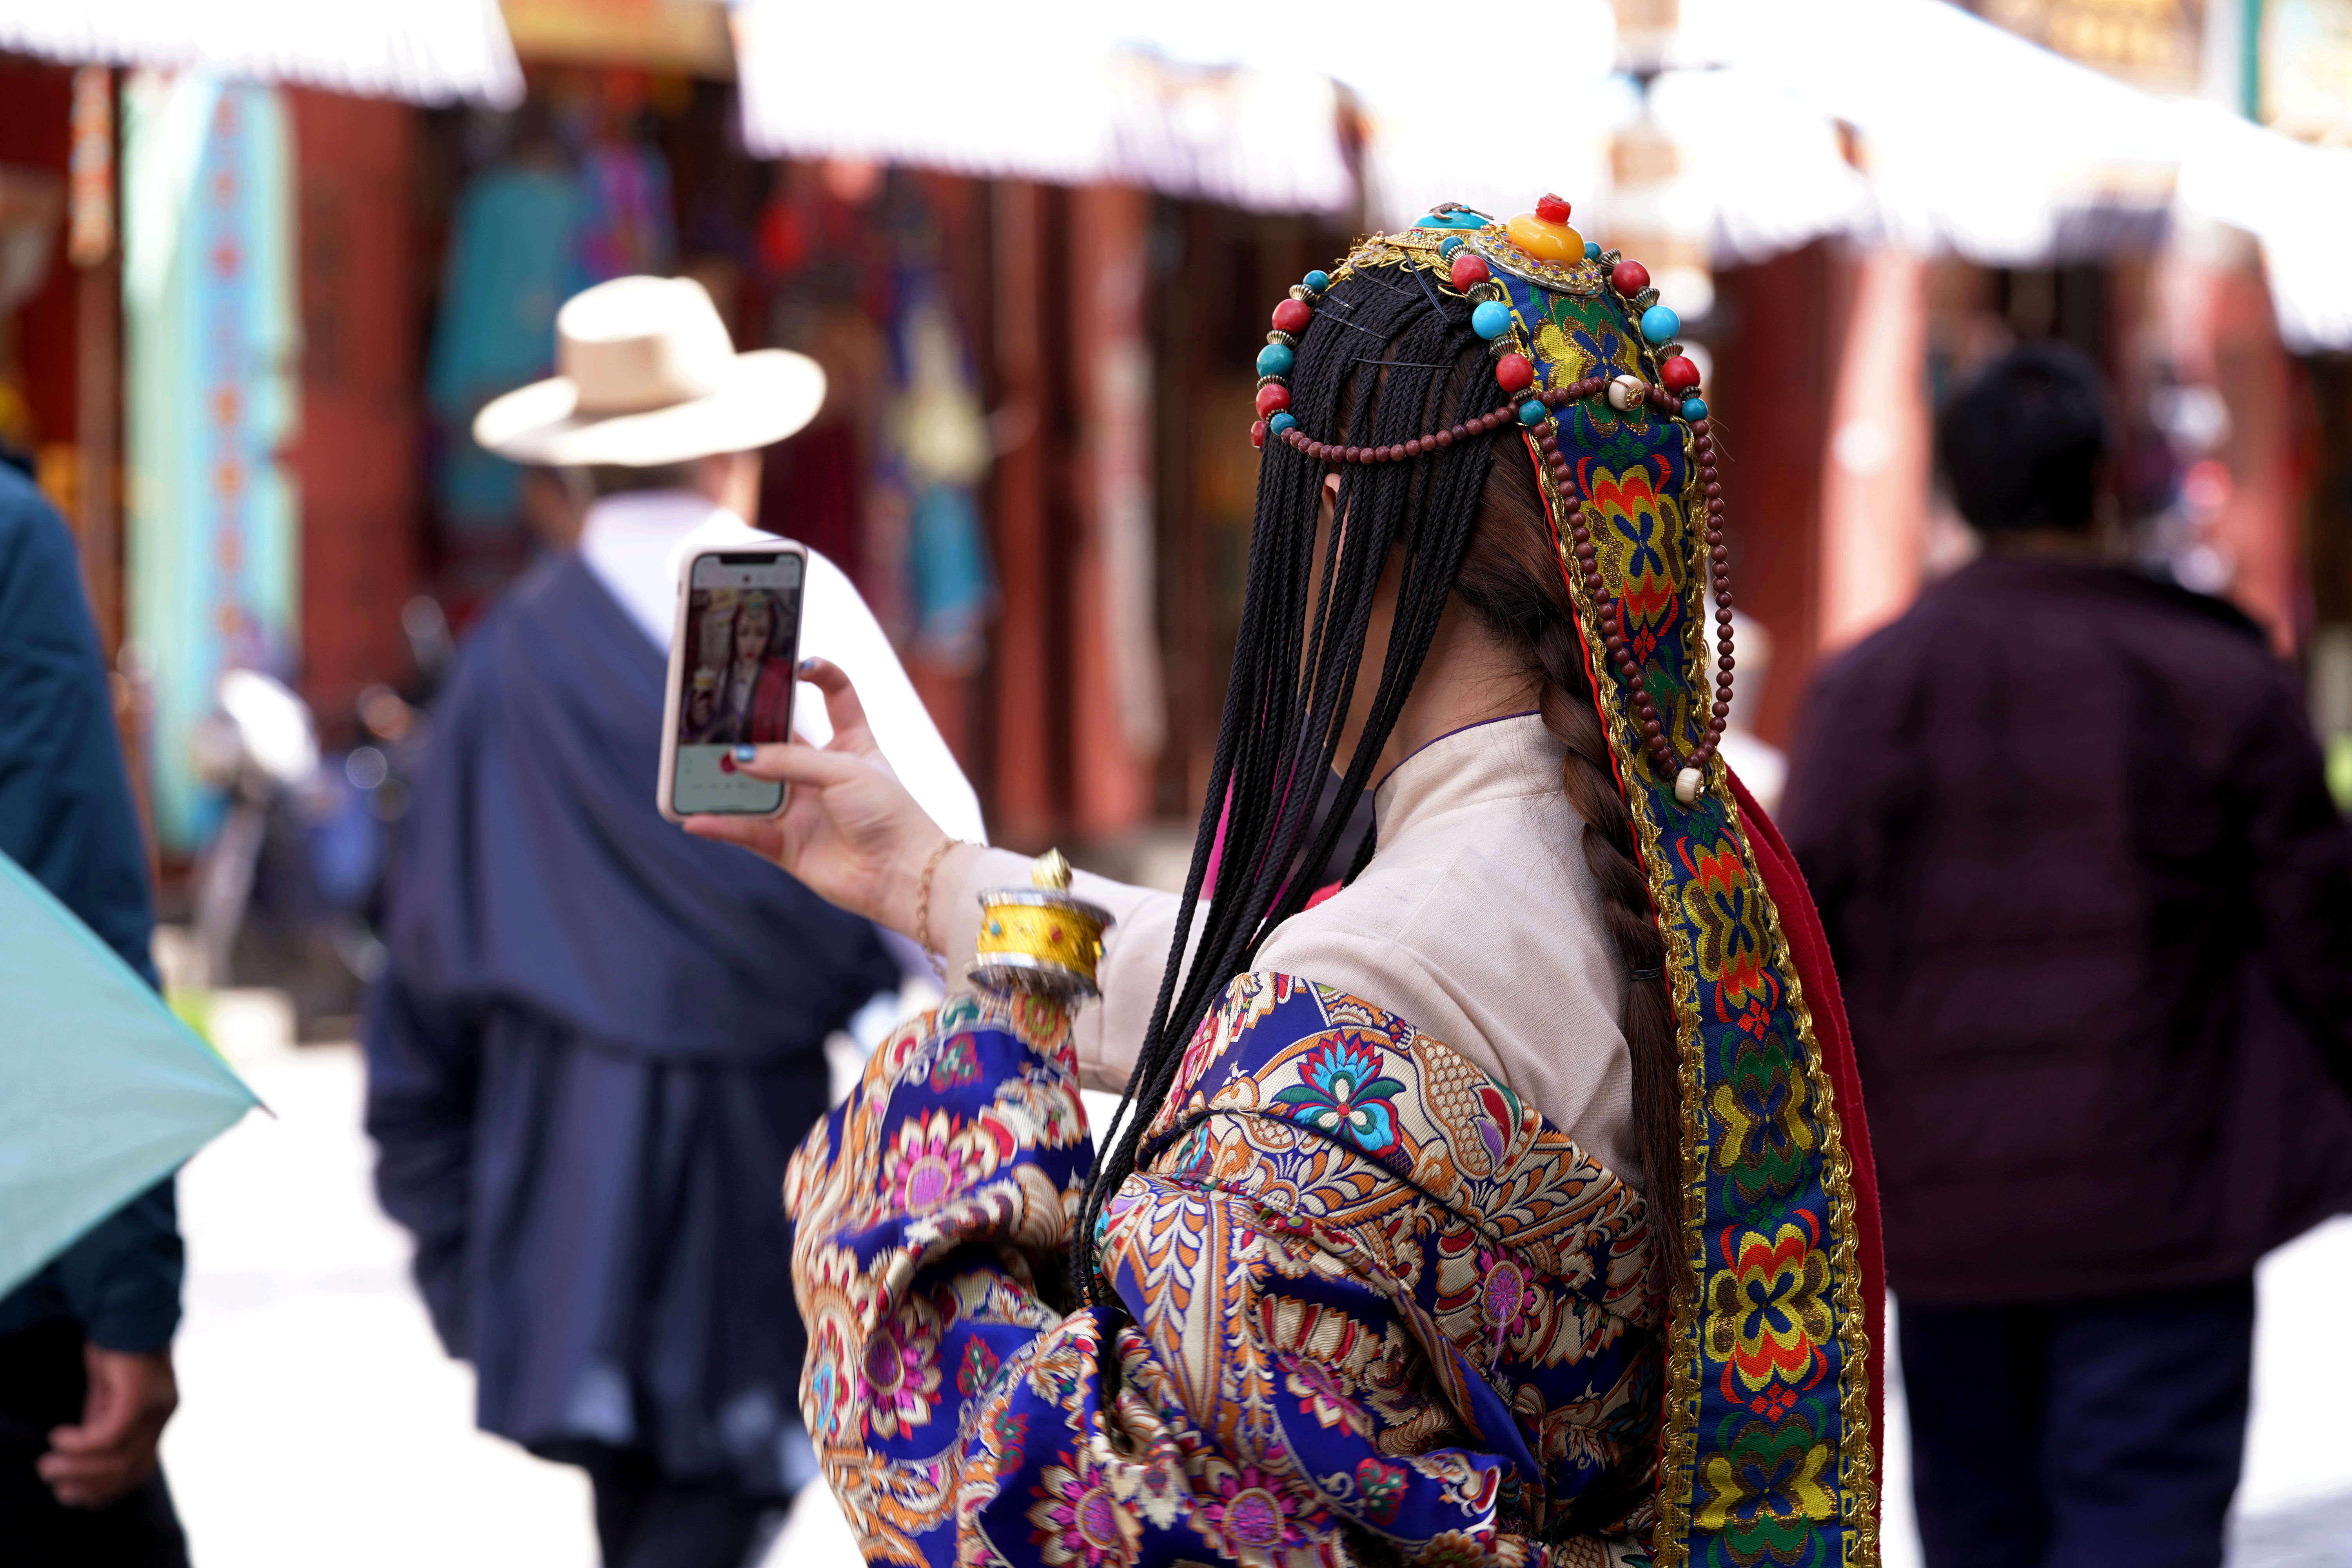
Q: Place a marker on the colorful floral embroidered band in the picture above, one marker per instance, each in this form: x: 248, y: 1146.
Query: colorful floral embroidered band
x: 1767, y: 1452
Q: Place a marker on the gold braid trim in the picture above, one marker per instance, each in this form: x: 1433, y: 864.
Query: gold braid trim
x: 1857, y: 1444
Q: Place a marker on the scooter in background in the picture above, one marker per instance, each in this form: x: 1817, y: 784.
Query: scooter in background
x: 260, y: 749
x: 300, y: 853
x: 290, y: 894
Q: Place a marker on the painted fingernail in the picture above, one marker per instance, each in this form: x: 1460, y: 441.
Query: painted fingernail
x: 747, y: 753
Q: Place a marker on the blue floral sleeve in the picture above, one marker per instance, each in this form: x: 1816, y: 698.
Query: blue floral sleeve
x: 1343, y: 1342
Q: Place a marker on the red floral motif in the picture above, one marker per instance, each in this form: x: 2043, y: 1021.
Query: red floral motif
x: 1254, y: 1516
x: 1767, y: 1314
x: 1723, y: 906
x: 1507, y: 1296
x: 956, y: 1064
x: 977, y: 1368
x: 1754, y: 1020
x: 1380, y: 1486
x: 1632, y: 520
x: 1324, y: 1394
x: 1079, y: 1520
x: 932, y: 1162
x: 900, y: 1372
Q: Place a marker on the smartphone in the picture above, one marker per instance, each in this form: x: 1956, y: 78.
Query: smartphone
x: 732, y: 661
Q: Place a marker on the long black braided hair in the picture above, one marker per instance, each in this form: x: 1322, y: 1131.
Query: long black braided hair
x: 1387, y: 356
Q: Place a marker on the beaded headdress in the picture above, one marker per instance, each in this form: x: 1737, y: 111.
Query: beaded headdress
x: 1766, y: 1453
x: 1549, y: 261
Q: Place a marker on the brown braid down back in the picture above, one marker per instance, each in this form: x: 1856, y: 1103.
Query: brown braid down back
x: 1511, y: 581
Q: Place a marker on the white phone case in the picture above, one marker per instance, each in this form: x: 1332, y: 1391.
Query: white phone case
x: 678, y: 656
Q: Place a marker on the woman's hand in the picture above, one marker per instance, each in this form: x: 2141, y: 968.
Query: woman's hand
x: 850, y: 831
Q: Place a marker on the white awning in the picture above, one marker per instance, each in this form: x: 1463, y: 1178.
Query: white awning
x: 2296, y: 200
x: 423, y: 51
x: 1061, y: 91
x: 1222, y: 100
x: 1907, y: 120
x: 1915, y: 122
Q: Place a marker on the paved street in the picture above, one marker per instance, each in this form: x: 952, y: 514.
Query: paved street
x: 320, y: 1422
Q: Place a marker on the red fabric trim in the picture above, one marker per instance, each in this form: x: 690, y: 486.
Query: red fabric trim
x: 1808, y: 950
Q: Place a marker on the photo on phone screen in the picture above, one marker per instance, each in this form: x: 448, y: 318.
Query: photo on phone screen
x: 735, y: 683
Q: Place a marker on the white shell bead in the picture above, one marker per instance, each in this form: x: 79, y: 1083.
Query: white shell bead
x: 1627, y: 392
x: 1686, y: 785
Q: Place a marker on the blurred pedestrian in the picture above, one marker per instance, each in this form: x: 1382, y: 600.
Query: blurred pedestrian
x: 598, y: 1040
x: 2091, y: 910
x: 86, y: 1382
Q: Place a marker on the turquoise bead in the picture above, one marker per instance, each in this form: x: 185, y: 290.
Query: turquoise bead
x: 1280, y: 422
x: 1693, y: 408
x: 1532, y: 411
x: 1491, y: 319
x: 1592, y: 250
x: 1659, y: 323
x: 1449, y: 245
x: 1276, y: 359
x: 1317, y: 281
x: 1452, y: 220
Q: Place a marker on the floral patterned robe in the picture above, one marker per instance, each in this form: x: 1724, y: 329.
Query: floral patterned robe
x: 1381, y: 1310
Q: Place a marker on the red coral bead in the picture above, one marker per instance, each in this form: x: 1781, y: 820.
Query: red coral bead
x: 1513, y: 373
x: 1551, y: 208
x: 1629, y: 278
x: 1469, y: 271
x: 1679, y: 373
x: 1272, y: 399
x: 1291, y: 316
x: 1257, y: 435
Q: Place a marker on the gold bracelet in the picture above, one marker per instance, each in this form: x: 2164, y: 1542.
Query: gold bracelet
x: 923, y: 909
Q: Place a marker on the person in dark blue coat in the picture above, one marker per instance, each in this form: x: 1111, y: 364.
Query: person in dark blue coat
x: 598, y: 1040
x: 86, y: 1381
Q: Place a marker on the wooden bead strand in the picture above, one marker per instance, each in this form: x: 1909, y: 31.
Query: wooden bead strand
x: 1688, y: 773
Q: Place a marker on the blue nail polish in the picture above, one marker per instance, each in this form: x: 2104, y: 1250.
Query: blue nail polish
x: 747, y: 753
x: 807, y: 664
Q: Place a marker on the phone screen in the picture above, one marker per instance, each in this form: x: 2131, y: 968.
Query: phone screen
x: 735, y: 683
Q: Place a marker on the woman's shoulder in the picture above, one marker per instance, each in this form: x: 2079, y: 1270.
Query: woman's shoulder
x: 1450, y: 885
x: 1484, y: 931
x: 1427, y: 918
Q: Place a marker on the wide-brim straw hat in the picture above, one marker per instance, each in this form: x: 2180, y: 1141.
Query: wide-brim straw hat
x: 647, y: 377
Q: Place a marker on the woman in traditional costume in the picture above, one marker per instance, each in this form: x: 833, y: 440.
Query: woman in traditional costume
x: 1508, y: 1202
x: 757, y: 691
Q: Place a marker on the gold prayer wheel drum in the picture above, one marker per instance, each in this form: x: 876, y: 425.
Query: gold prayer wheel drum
x: 1039, y: 938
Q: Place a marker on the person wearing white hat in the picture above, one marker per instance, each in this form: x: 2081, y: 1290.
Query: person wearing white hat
x: 597, y: 1039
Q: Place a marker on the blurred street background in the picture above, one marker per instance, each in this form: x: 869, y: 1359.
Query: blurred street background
x: 260, y: 265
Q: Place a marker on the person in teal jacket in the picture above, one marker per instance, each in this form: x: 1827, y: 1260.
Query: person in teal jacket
x: 86, y: 1381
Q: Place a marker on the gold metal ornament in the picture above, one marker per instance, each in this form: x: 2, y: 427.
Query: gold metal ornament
x: 1040, y: 939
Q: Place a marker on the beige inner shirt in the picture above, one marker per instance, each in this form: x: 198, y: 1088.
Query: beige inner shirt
x: 1476, y: 921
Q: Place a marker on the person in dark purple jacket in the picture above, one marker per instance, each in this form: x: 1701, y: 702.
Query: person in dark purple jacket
x: 2091, y: 908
